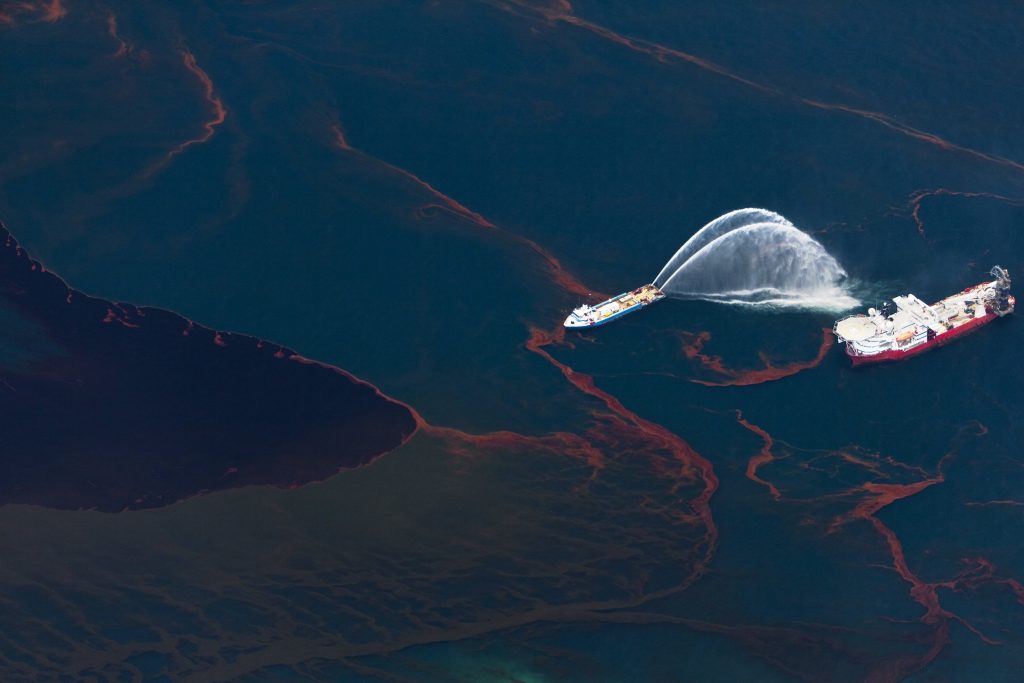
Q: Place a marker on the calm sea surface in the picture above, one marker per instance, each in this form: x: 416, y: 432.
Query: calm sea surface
x: 418, y: 193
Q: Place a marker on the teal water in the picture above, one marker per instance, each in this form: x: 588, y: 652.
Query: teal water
x: 536, y: 531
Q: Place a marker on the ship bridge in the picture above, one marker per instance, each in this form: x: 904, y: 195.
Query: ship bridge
x: 915, y: 311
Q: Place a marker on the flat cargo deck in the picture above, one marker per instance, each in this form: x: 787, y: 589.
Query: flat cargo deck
x: 615, y: 307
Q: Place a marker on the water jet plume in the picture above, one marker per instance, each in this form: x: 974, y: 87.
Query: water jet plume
x: 714, y: 229
x: 756, y: 257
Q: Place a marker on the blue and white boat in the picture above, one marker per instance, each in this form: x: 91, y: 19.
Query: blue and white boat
x: 616, y: 307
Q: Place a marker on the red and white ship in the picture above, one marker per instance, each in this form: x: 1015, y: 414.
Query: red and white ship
x: 907, y: 326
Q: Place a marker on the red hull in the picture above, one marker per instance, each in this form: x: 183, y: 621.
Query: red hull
x: 940, y: 340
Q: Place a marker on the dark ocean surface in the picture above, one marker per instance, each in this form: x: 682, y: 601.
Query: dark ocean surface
x: 417, y: 193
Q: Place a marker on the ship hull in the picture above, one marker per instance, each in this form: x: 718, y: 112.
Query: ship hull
x: 614, y: 308
x: 614, y: 316
x: 906, y: 326
x: 941, y: 340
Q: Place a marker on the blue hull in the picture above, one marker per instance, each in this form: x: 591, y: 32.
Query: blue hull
x: 591, y: 316
x: 625, y: 311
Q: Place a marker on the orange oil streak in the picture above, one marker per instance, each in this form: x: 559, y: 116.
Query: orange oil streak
x: 915, y: 133
x: 219, y: 113
x: 763, y: 457
x: 691, y: 463
x: 122, y: 47
x: 563, y: 278
x: 924, y: 593
x: 340, y: 141
x: 919, y: 196
x: 50, y: 12
x: 693, y: 346
x: 564, y: 443
x: 563, y: 12
x: 53, y: 11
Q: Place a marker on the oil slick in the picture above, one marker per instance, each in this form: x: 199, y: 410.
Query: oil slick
x: 136, y: 407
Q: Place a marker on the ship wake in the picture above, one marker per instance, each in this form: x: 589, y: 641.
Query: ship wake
x: 756, y: 257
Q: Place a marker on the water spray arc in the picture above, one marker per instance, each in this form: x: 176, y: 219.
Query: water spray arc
x: 752, y: 257
x: 716, y: 228
x: 755, y: 256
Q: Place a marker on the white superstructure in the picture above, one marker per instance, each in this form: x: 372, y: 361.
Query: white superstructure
x: 908, y: 324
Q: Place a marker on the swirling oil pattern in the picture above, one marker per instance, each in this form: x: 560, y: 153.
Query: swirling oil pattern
x: 418, y: 193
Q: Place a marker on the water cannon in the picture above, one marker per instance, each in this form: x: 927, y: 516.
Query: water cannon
x: 1002, y: 277
x: 1004, y: 303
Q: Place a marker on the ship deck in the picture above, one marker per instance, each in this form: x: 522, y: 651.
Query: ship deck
x: 642, y: 295
x: 608, y: 310
x: 914, y: 323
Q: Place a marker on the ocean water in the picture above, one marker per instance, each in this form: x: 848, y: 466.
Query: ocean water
x: 417, y: 193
